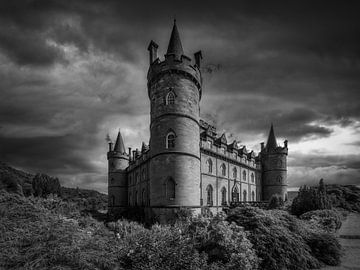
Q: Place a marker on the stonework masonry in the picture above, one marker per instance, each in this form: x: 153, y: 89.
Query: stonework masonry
x: 187, y: 164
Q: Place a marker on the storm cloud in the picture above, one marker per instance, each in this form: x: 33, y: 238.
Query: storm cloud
x: 72, y: 72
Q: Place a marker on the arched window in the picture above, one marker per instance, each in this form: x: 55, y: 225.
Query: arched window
x: 279, y: 179
x: 170, y: 140
x: 112, y: 200
x: 209, y: 165
x: 223, y: 169
x: 244, y: 196
x: 209, y: 192
x: 252, y: 177
x: 244, y: 175
x: 143, y: 196
x: 279, y: 163
x: 235, y: 173
x: 253, y: 196
x: 170, y: 98
x: 235, y: 194
x: 223, y: 196
x: 170, y: 189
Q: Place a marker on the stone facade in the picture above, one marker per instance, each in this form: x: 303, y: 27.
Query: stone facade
x: 187, y: 164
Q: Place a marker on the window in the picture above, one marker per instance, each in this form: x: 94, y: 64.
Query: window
x: 112, y: 200
x: 143, y: 197
x: 244, y: 196
x: 209, y: 165
x: 209, y: 144
x: 170, y: 140
x: 170, y: 98
x: 235, y: 173
x: 223, y: 196
x: 112, y: 180
x: 279, y: 179
x: 279, y: 163
x: 143, y: 174
x: 130, y: 198
x: 170, y: 188
x: 223, y: 169
x: 235, y: 194
x: 253, y: 196
x: 244, y: 175
x: 136, y: 197
x: 252, y: 177
x: 209, y: 192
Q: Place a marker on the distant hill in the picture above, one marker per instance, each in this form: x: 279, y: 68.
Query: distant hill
x: 23, y: 183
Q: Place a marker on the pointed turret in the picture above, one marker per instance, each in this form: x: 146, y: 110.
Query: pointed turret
x: 175, y: 46
x: 271, y: 142
x: 119, y: 144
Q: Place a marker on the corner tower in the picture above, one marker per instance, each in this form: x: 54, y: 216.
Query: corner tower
x: 174, y: 88
x: 118, y: 161
x: 274, y: 168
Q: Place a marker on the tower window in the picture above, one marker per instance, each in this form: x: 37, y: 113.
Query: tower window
x: 253, y: 196
x: 209, y: 192
x: 209, y: 165
x: 112, y: 200
x: 170, y: 189
x: 223, y: 196
x: 143, y: 197
x: 244, y: 196
x: 244, y: 175
x: 170, y: 140
x: 170, y: 98
x: 223, y: 169
x: 279, y: 179
x: 235, y: 173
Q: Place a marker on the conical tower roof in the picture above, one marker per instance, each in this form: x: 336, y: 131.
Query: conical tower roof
x: 119, y: 144
x: 175, y: 46
x: 271, y: 142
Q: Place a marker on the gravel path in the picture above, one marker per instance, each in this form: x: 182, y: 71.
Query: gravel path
x: 349, y: 237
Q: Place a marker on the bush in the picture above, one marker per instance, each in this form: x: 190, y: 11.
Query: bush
x: 325, y: 247
x: 310, y: 199
x: 44, y: 185
x: 277, y: 238
x: 327, y: 220
x: 346, y: 197
x: 275, y: 202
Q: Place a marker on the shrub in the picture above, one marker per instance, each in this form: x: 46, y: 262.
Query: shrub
x: 346, y: 197
x: 275, y: 202
x: 277, y: 238
x: 325, y: 247
x: 44, y: 185
x: 327, y: 220
x: 310, y: 199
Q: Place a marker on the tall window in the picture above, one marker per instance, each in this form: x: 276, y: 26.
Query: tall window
x: 136, y: 198
x: 253, y: 196
x: 235, y: 173
x: 252, y: 177
x: 244, y: 175
x: 279, y: 179
x: 223, y: 196
x: 170, y: 140
x: 244, y: 196
x: 209, y: 192
x: 170, y: 98
x: 143, y: 196
x: 223, y: 169
x: 130, y: 202
x: 112, y: 200
x: 235, y: 194
x: 209, y: 165
x: 170, y: 189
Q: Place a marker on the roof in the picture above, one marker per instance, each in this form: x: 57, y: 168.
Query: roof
x: 175, y: 46
x: 271, y: 142
x: 119, y: 144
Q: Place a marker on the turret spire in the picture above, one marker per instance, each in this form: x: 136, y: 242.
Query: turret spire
x: 119, y: 144
x: 271, y: 142
x: 175, y: 46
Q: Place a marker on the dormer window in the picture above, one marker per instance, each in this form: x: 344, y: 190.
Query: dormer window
x: 170, y: 140
x: 170, y: 98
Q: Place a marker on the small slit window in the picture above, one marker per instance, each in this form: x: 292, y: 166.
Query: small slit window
x: 170, y: 189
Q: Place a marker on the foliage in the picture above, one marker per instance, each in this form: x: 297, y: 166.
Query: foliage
x: 345, y: 197
x: 325, y: 247
x: 10, y: 183
x: 281, y: 240
x: 44, y: 185
x: 311, y: 198
x: 327, y: 220
x: 275, y: 202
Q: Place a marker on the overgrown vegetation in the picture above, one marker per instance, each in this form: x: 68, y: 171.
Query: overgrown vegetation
x: 311, y: 198
x: 327, y: 220
x: 275, y: 202
x: 345, y: 197
x: 282, y: 241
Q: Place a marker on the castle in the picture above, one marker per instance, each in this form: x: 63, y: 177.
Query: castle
x: 187, y: 163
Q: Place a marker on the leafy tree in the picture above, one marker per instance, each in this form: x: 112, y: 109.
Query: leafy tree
x: 44, y: 185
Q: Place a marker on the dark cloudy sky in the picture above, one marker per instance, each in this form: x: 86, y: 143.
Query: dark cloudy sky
x: 73, y: 71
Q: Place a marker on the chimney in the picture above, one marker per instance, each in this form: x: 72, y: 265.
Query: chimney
x: 262, y: 146
x: 286, y: 143
x: 110, y: 146
x: 152, y: 48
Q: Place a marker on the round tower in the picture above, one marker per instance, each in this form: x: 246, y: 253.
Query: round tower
x: 274, y: 168
x: 118, y: 161
x: 174, y: 88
